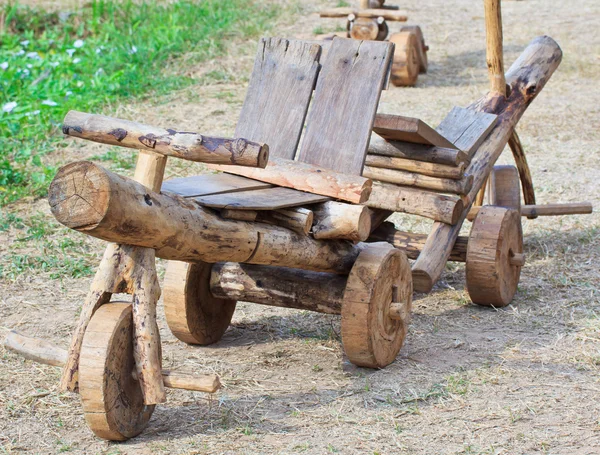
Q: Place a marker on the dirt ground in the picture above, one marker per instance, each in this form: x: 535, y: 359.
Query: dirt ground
x: 469, y: 380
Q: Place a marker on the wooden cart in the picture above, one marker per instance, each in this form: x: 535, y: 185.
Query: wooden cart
x: 298, y: 227
x: 370, y: 22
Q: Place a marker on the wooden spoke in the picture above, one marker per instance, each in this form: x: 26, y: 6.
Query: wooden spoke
x: 193, y: 314
x: 405, y: 66
x: 376, y: 306
x: 112, y: 399
x: 494, y: 256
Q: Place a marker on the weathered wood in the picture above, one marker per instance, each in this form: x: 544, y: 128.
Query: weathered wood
x: 206, y: 184
x: 418, y: 167
x: 573, y: 208
x: 412, y: 179
x: 439, y: 207
x: 240, y: 215
x: 298, y: 219
x: 309, y: 178
x: 422, y: 48
x: 413, y: 243
x: 278, y: 286
x: 378, y: 216
x: 344, y: 105
x: 168, y: 142
x: 266, y: 199
x: 336, y: 220
x: 405, y: 65
x: 527, y: 77
x: 408, y: 129
x: 387, y: 14
x: 466, y: 128
x: 97, y: 202
x: 524, y: 173
x: 494, y: 52
x: 419, y: 152
x: 42, y: 351
x: 362, y: 28
x: 278, y: 94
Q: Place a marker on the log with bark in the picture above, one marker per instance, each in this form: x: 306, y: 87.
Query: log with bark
x: 336, y: 220
x: 168, y: 142
x: 526, y: 78
x: 419, y: 167
x: 415, y: 180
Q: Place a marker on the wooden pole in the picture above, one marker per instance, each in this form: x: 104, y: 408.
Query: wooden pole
x: 439, y: 207
x: 417, y: 152
x: 336, y: 220
x: 307, y: 177
x: 414, y: 180
x: 494, y: 52
x: 388, y: 15
x: 169, y: 142
x: 527, y: 77
x: 524, y: 173
x: 297, y: 219
x: 278, y: 286
x: 419, y: 167
x: 97, y: 202
x: 573, y: 208
x: 42, y: 351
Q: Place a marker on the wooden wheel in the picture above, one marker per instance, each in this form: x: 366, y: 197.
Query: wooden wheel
x: 505, y: 189
x: 405, y: 66
x: 193, y: 314
x: 112, y: 399
x: 422, y: 48
x: 494, y: 256
x: 376, y: 306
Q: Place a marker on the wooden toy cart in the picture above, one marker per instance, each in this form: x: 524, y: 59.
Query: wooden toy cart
x: 370, y: 22
x: 298, y: 227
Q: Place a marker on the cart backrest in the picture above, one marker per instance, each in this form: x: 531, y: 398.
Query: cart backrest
x: 350, y: 80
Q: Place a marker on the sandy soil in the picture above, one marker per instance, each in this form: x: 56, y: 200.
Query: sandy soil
x: 469, y: 380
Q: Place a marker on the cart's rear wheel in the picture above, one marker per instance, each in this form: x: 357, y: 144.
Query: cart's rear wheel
x: 193, y: 314
x: 112, y: 399
x: 494, y: 256
x: 405, y: 66
x: 380, y: 276
x: 422, y: 48
x: 505, y: 187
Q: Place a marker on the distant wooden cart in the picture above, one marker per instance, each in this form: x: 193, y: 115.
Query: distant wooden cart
x: 370, y: 22
x: 296, y: 227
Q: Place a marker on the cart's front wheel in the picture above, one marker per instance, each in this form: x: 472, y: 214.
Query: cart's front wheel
x: 405, y: 65
x: 376, y: 306
x: 112, y: 399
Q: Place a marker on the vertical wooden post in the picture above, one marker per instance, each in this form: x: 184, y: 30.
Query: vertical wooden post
x: 494, y: 53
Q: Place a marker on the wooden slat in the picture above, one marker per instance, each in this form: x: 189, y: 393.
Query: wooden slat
x: 408, y: 129
x: 466, y: 128
x: 419, y: 152
x: 266, y: 199
x: 278, y: 94
x: 204, y: 185
x: 344, y: 106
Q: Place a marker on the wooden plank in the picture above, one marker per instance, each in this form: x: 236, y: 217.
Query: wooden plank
x: 279, y: 93
x: 265, y: 199
x: 466, y: 128
x: 408, y: 129
x: 204, y: 185
x: 344, y: 106
x: 419, y: 152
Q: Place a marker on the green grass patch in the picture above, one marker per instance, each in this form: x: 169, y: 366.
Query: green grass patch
x: 98, y: 55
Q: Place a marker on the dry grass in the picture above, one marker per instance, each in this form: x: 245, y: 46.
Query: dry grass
x: 470, y: 380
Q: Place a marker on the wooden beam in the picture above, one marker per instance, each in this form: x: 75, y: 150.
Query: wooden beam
x: 419, y: 167
x: 418, y: 152
x: 408, y: 129
x: 168, y: 142
x: 572, y: 208
x: 414, y: 180
x: 388, y: 15
x: 336, y: 220
x: 494, y: 52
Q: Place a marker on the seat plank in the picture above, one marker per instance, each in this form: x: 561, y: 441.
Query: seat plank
x: 278, y: 94
x: 206, y: 184
x: 344, y: 105
x: 265, y: 199
x: 408, y: 129
x: 466, y: 128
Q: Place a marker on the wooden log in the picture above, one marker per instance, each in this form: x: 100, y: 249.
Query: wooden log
x: 297, y: 219
x: 42, y: 351
x: 336, y: 220
x: 418, y: 152
x: 572, y: 208
x: 240, y: 215
x: 278, y: 286
x: 413, y: 243
x: 412, y: 179
x: 526, y: 77
x: 168, y: 142
x: 97, y: 202
x: 439, y: 207
x: 388, y: 15
x: 523, y: 167
x: 378, y: 216
x: 418, y: 167
x: 309, y: 178
x: 494, y: 52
